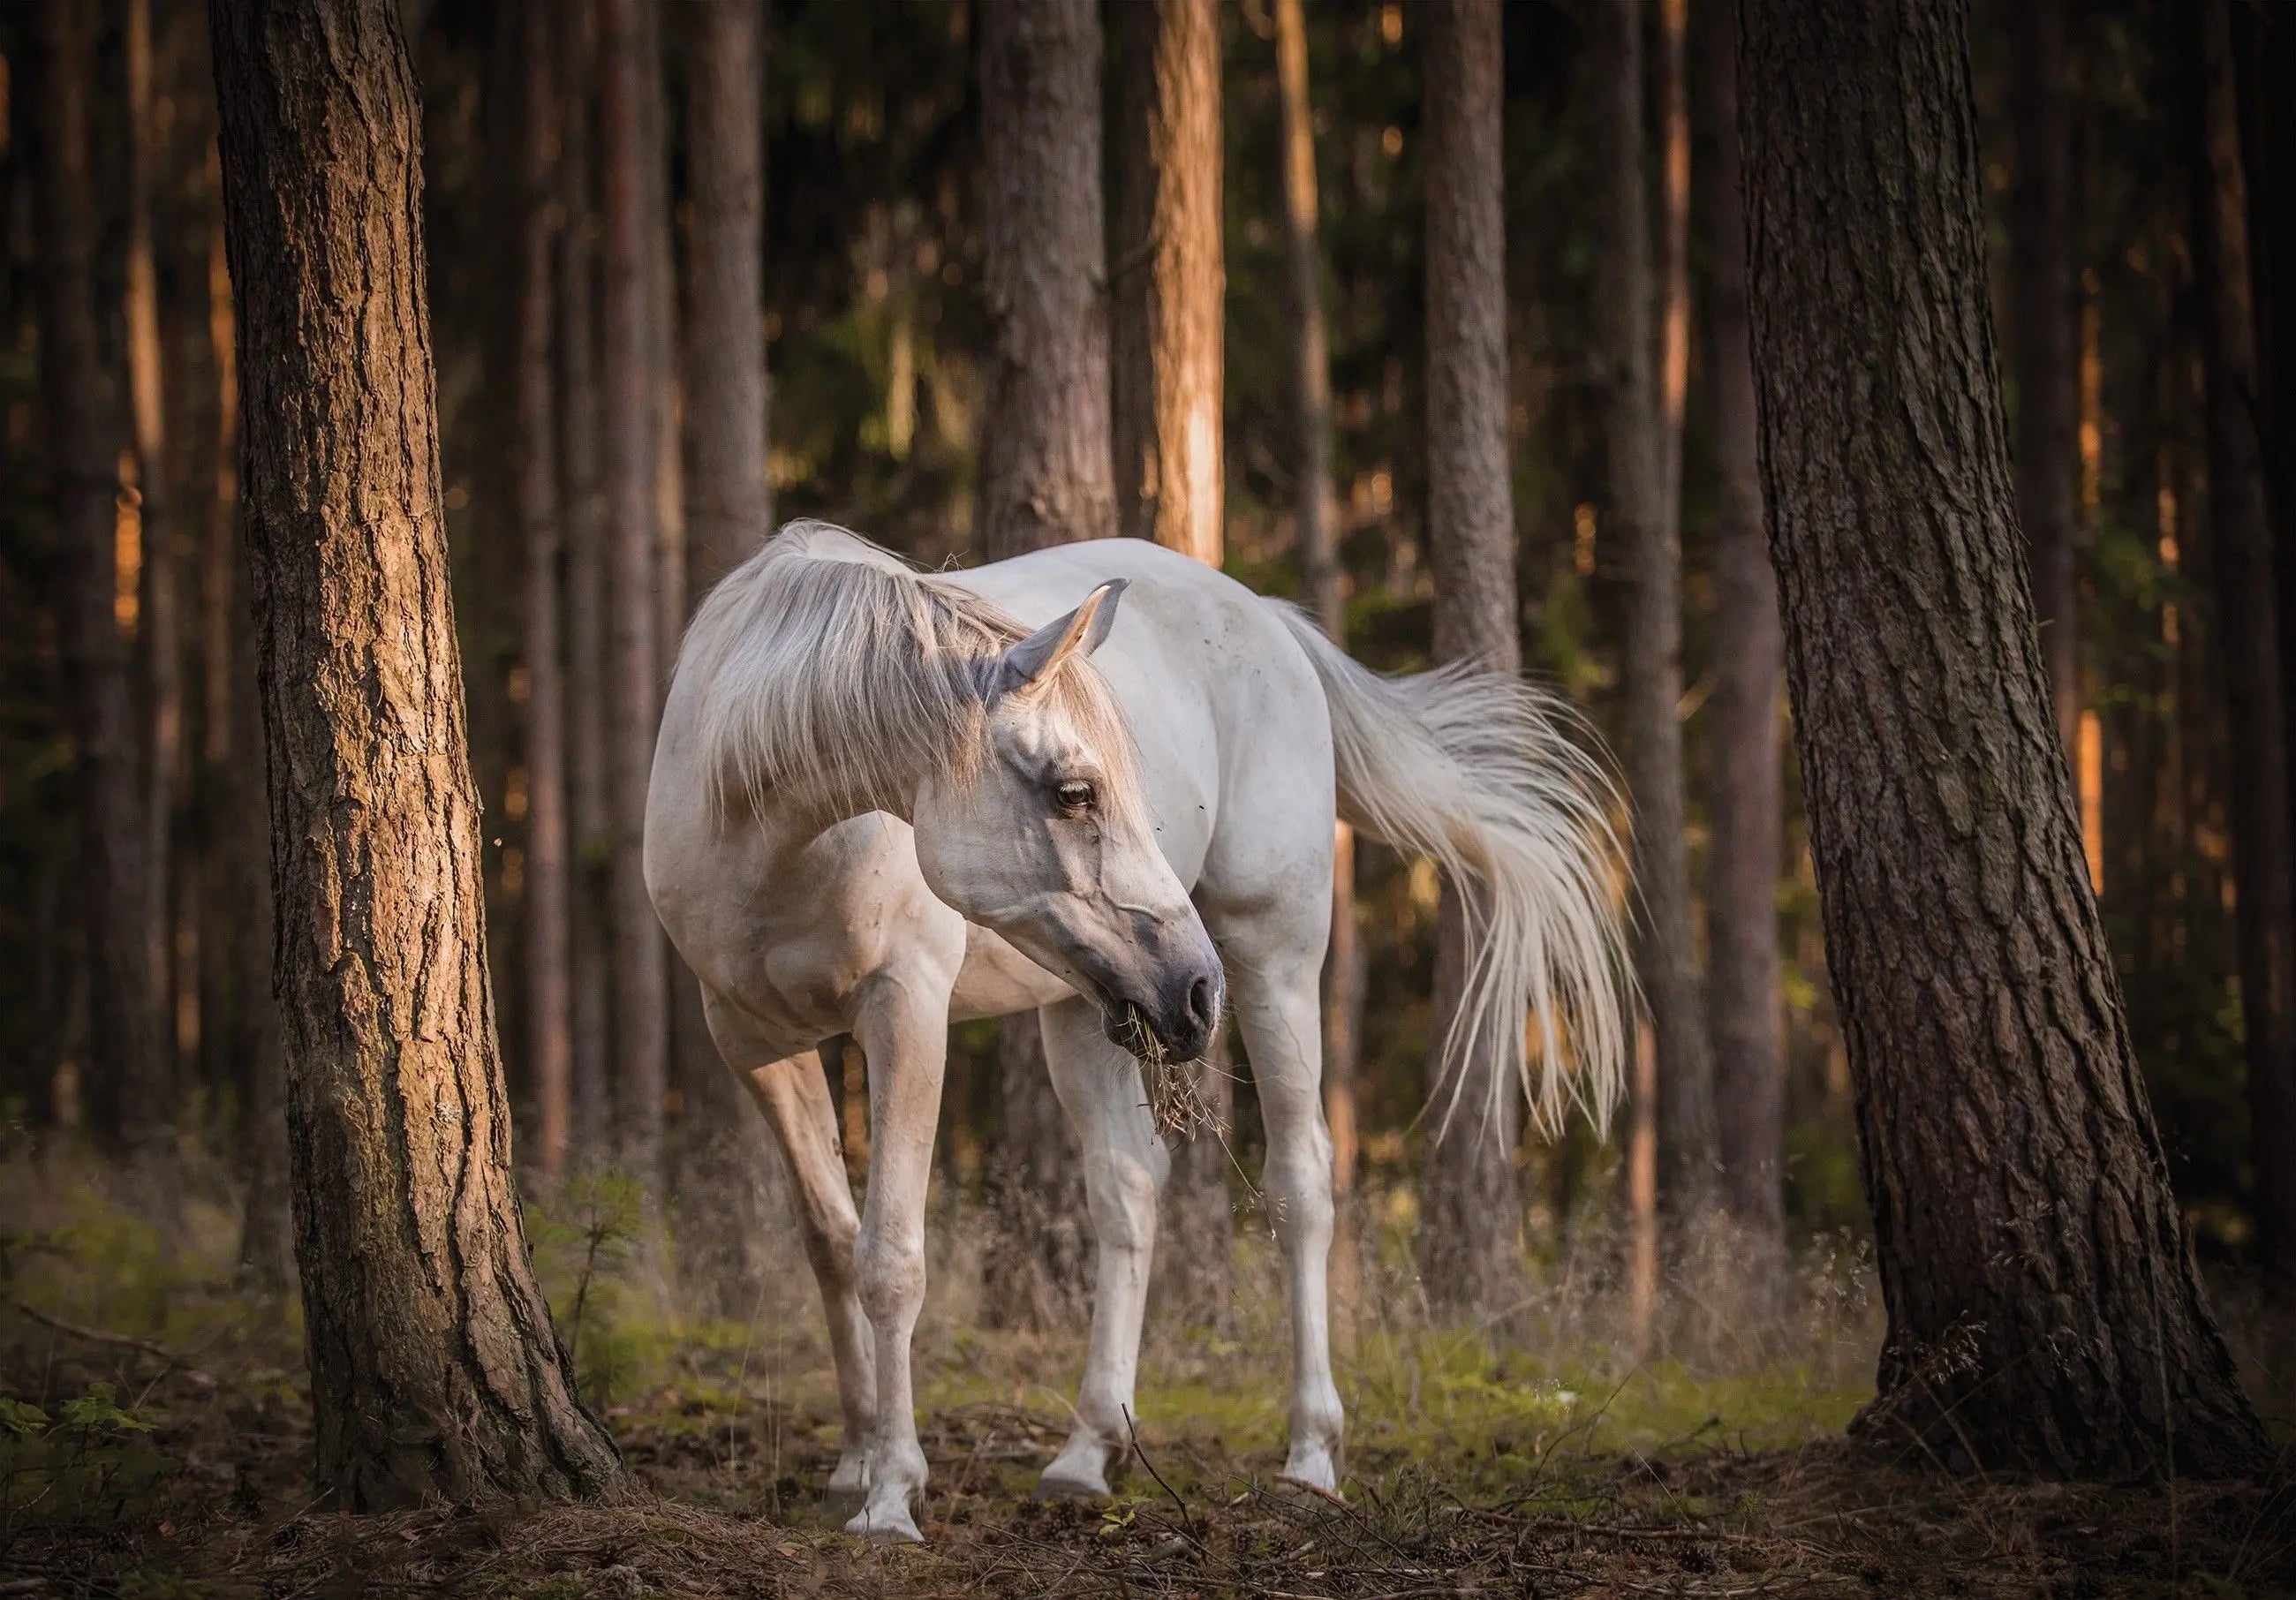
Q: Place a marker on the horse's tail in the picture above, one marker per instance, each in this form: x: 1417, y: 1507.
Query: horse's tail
x: 1473, y: 769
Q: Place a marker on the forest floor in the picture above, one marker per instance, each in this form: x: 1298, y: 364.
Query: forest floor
x: 155, y: 1441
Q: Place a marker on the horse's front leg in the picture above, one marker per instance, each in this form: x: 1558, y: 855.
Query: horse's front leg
x: 1124, y: 1165
x: 901, y: 1024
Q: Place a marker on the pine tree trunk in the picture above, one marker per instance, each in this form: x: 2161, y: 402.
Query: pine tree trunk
x: 2043, y: 1307
x: 159, y: 634
x: 2263, y: 863
x: 549, y: 989
x: 1746, y: 1001
x: 728, y: 1179
x: 641, y: 980
x: 1644, y: 531
x: 583, y: 508
x: 435, y: 1370
x: 1316, y: 505
x: 1045, y: 479
x: 1469, y: 1231
x: 1166, y: 369
x: 125, y: 1091
x: 2040, y: 234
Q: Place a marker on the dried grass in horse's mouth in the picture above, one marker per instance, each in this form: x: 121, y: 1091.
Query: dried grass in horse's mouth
x: 1175, y: 1095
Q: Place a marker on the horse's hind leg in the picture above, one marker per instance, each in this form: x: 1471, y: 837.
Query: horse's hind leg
x: 1124, y: 1165
x: 796, y: 1101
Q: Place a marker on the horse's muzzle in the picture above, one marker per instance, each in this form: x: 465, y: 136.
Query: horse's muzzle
x: 1176, y: 1025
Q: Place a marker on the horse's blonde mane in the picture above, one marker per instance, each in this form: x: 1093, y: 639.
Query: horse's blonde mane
x: 830, y: 674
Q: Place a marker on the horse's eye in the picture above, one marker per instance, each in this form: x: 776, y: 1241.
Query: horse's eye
x: 1075, y: 796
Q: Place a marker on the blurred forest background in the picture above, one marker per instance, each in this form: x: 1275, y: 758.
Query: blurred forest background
x: 878, y: 338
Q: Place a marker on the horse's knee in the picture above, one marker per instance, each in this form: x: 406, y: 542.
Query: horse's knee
x: 892, y: 1274
x: 1122, y: 1192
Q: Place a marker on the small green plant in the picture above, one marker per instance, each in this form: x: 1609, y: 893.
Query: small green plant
x: 84, y: 1464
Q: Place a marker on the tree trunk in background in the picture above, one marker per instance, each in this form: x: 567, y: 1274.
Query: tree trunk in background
x: 583, y: 509
x: 125, y: 1091
x: 2040, y: 238
x: 1674, y: 269
x: 727, y: 506
x: 1045, y: 479
x: 159, y: 634
x: 1166, y: 365
x: 1323, y: 583
x: 548, y: 864
x: 641, y: 983
x: 2043, y: 1307
x: 1746, y: 1001
x: 435, y: 1372
x: 2272, y: 214
x: 1469, y: 1244
x: 2263, y: 864
x: 1644, y: 531
x: 729, y: 1171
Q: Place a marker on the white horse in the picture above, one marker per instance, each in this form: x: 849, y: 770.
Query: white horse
x: 880, y: 804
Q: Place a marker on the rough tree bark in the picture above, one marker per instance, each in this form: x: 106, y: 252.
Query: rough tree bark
x: 2041, y: 284
x: 727, y: 1181
x: 125, y: 1091
x: 2044, y: 1306
x: 1745, y: 1002
x: 582, y: 507
x: 1315, y: 503
x: 435, y: 1370
x: 1643, y: 531
x: 1469, y: 1232
x: 2263, y: 864
x: 549, y: 990
x: 1166, y: 326
x: 1045, y: 479
x: 641, y: 975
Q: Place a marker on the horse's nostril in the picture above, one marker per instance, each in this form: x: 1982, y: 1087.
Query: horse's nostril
x: 1200, y: 1001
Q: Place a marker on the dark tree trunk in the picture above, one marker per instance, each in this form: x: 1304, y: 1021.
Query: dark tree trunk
x: 435, y: 1370
x: 1746, y: 1001
x: 159, y: 633
x: 1045, y: 479
x: 126, y: 1089
x: 549, y: 990
x: 1316, y: 505
x: 727, y: 1171
x: 2041, y: 286
x: 2043, y: 1307
x: 1644, y: 532
x: 1165, y: 362
x: 2263, y: 864
x: 641, y: 977
x: 2267, y: 48
x: 727, y: 510
x: 582, y: 507
x: 1469, y: 1227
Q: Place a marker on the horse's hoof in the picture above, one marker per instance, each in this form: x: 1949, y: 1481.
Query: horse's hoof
x: 1059, y: 1485
x: 886, y: 1525
x: 843, y: 1499
x: 1315, y: 1469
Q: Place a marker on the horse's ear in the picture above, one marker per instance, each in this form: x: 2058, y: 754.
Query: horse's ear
x: 1037, y: 659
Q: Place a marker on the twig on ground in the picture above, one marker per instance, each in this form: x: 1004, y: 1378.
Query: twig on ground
x: 1187, y: 1523
x: 151, y: 1348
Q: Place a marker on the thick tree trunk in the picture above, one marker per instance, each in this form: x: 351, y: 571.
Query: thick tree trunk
x: 1470, y: 1223
x: 582, y: 507
x: 1045, y: 479
x: 727, y: 1179
x: 1166, y: 368
x: 549, y: 990
x: 1644, y: 531
x: 435, y: 1370
x: 641, y: 978
x: 1316, y: 506
x: 2043, y: 1307
x: 159, y: 634
x: 124, y: 1092
x: 2263, y: 864
x: 1746, y: 1001
x: 2041, y: 277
